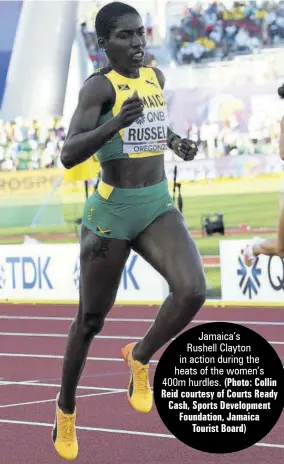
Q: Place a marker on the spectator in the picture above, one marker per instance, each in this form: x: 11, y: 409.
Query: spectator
x: 244, y: 28
x: 149, y: 27
x: 30, y: 145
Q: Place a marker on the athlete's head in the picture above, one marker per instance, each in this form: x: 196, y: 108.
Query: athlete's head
x: 121, y: 34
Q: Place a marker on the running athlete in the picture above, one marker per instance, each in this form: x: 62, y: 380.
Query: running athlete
x: 121, y: 116
x: 269, y: 247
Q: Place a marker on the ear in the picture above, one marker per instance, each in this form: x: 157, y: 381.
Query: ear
x: 102, y: 43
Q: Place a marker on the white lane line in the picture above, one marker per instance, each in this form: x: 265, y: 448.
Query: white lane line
x: 7, y: 382
x: 36, y: 318
x: 55, y: 385
x: 47, y: 335
x: 122, y: 432
x: 54, y: 399
x: 92, y: 429
x: 270, y: 445
x: 54, y: 356
x: 118, y: 319
x: 70, y: 319
x: 106, y: 337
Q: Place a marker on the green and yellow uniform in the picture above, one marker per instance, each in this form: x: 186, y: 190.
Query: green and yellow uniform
x: 124, y: 213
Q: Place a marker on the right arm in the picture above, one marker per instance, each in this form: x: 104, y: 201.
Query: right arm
x: 84, y: 138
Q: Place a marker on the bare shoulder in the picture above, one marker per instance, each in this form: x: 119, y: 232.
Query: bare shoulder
x: 282, y: 124
x: 97, y: 89
x: 96, y: 93
x: 160, y: 76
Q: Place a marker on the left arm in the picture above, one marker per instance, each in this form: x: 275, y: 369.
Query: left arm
x: 182, y: 147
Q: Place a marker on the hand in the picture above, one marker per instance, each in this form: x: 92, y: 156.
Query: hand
x: 185, y: 149
x: 131, y: 109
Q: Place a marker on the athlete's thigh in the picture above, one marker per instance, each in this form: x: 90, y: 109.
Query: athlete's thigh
x: 167, y: 245
x: 101, y: 264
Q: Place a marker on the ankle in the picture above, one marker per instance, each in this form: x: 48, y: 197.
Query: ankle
x: 66, y: 408
x: 137, y: 356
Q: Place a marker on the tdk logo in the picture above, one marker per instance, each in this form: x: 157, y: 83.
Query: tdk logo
x: 128, y: 277
x: 28, y: 273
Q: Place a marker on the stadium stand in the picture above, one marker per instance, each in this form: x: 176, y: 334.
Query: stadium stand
x: 218, y: 31
x: 30, y: 144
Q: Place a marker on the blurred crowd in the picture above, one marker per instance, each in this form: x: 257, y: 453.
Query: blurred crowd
x: 228, y: 139
x: 219, y: 31
x: 30, y: 145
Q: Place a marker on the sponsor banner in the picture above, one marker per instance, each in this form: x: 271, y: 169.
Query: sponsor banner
x: 148, y: 133
x: 38, y: 181
x: 264, y: 281
x: 43, y: 272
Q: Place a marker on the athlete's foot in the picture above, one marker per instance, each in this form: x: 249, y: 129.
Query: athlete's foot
x: 64, y: 434
x: 139, y: 391
x: 248, y: 252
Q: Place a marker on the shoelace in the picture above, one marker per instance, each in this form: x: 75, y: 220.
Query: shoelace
x: 142, y: 384
x: 67, y: 428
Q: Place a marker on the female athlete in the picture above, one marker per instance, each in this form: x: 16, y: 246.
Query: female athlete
x: 122, y: 117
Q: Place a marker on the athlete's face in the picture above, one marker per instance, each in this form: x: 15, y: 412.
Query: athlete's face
x: 126, y: 44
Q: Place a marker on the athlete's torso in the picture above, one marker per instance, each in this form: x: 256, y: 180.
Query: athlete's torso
x: 134, y: 157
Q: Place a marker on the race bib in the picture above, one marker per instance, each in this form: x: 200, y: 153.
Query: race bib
x: 148, y: 133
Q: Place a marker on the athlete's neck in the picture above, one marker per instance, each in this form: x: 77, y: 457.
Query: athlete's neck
x: 130, y: 73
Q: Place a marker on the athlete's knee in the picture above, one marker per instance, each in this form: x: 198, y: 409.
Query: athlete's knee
x: 90, y: 324
x: 192, y: 293
x: 192, y: 298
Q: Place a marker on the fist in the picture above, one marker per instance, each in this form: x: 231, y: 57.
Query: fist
x: 131, y: 109
x: 185, y: 149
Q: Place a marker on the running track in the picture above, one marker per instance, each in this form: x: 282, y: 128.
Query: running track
x: 109, y: 430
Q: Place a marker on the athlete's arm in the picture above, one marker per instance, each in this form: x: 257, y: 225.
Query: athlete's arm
x: 281, y: 145
x: 184, y: 148
x: 84, y: 138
